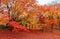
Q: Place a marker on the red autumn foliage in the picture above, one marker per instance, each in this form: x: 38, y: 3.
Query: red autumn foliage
x: 17, y: 26
x: 42, y: 18
x: 22, y: 8
x: 14, y: 24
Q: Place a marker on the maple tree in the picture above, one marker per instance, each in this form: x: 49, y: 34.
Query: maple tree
x: 26, y: 14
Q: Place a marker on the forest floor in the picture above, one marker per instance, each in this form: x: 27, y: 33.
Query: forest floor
x: 6, y: 34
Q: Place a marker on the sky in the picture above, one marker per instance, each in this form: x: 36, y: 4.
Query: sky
x: 46, y: 2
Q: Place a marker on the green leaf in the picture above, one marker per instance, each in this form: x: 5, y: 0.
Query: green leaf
x: 3, y: 26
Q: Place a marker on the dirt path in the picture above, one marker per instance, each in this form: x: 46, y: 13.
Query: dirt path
x: 5, y: 34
